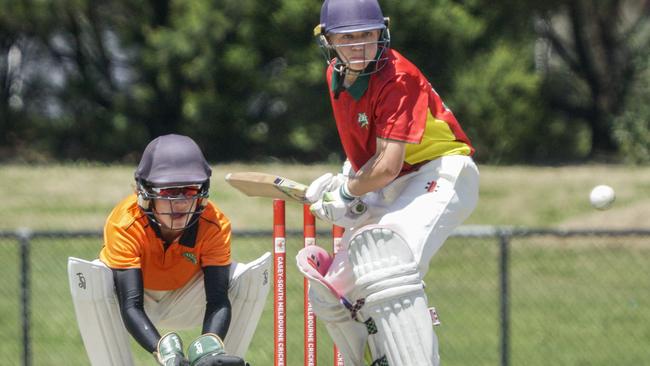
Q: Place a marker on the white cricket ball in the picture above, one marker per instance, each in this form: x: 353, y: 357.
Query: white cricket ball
x: 602, y: 197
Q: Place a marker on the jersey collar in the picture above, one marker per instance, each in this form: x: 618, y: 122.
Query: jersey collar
x: 188, y: 237
x: 356, y: 90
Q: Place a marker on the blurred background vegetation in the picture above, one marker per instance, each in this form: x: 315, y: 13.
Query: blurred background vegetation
x: 558, y: 81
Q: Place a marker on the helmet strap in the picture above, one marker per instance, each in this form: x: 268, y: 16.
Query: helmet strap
x: 143, y: 201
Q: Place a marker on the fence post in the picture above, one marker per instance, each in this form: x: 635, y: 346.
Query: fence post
x: 504, y: 247
x: 24, y: 235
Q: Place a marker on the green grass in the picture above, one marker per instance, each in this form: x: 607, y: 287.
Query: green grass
x: 571, y: 304
x: 574, y: 301
x: 79, y: 197
x: 580, y: 304
x: 9, y: 298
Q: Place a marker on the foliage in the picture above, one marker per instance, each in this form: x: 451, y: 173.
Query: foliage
x: 97, y: 81
x: 586, y: 50
x: 632, y: 127
x: 497, y: 99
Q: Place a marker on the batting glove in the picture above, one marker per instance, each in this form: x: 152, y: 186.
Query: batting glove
x: 346, y: 169
x: 340, y: 207
x: 325, y: 183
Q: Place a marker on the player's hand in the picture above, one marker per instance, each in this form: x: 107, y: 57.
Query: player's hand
x: 208, y: 350
x: 340, y: 208
x: 325, y: 183
x: 169, y: 351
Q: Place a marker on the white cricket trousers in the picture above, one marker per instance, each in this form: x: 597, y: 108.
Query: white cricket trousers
x: 424, y: 207
x: 183, y: 308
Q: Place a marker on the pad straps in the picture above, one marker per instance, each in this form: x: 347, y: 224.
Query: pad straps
x: 370, y: 325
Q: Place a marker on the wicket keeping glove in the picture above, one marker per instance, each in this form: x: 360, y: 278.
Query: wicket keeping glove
x: 339, y: 207
x: 169, y: 351
x: 208, y: 350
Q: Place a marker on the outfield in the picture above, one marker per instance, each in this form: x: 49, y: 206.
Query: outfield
x: 574, y: 300
x: 78, y: 197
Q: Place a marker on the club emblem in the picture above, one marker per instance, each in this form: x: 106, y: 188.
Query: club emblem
x: 362, y: 120
x: 190, y: 257
x: 431, y: 186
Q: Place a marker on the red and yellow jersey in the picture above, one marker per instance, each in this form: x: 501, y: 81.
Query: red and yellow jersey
x: 130, y: 241
x: 395, y: 103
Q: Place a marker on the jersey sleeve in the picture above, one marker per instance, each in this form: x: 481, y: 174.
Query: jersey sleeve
x: 401, y: 110
x: 216, y: 246
x: 121, y: 247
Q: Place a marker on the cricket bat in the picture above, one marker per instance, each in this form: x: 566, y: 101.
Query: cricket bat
x: 255, y: 184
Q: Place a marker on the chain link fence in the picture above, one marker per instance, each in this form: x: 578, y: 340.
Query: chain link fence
x: 505, y: 297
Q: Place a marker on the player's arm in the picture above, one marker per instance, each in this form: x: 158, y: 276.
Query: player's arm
x: 167, y: 350
x: 381, y: 169
x: 208, y: 348
x: 218, y: 308
x: 130, y: 293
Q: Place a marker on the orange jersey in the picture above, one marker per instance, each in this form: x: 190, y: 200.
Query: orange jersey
x: 130, y: 241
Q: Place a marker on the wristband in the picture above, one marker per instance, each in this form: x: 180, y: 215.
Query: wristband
x: 345, y: 193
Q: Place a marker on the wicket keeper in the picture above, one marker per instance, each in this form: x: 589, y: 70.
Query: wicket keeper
x: 167, y: 254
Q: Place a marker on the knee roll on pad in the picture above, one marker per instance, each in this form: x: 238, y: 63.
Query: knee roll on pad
x: 386, y: 275
x: 249, y: 288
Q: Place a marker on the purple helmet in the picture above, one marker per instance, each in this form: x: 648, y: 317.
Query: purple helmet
x: 350, y: 16
x: 345, y: 16
x: 173, y: 160
x: 173, y: 168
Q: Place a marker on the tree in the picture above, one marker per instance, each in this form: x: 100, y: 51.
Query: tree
x: 98, y: 80
x: 586, y: 51
x: 632, y: 126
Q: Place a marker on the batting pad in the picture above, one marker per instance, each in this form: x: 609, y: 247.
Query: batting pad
x: 386, y: 275
x: 98, y: 314
x: 349, y: 335
x: 249, y: 288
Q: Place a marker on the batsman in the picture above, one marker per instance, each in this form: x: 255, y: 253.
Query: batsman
x: 408, y: 181
x: 166, y: 264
